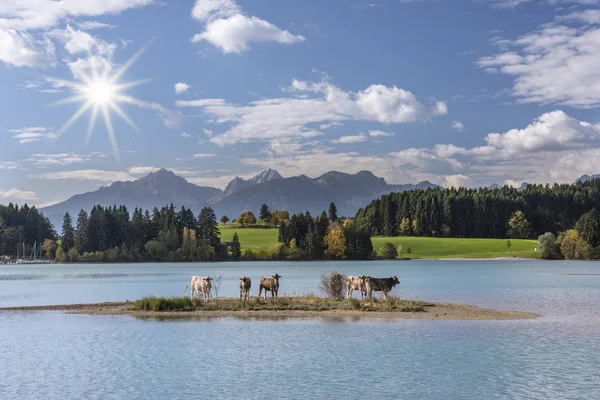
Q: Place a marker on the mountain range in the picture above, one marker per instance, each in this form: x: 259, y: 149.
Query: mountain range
x: 296, y: 194
x: 585, y: 178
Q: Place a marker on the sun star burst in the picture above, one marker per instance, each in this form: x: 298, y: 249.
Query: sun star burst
x: 100, y: 93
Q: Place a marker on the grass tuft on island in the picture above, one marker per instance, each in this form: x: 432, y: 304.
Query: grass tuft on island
x: 305, y: 303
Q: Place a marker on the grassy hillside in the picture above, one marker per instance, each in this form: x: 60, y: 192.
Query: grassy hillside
x: 250, y: 238
x: 422, y: 247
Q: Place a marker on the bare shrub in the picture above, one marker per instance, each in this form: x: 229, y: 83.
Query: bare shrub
x: 332, y: 285
x: 216, y: 285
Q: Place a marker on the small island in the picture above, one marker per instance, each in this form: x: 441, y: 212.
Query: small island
x: 285, y: 307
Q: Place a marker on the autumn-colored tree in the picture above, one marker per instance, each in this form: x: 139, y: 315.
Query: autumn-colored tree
x: 50, y: 247
x: 573, y: 246
x: 415, y: 226
x: 388, y: 251
x: 518, y: 227
x: 347, y: 222
x: 60, y: 254
x: 335, y: 242
x: 246, y: 218
x: 189, y: 244
x: 404, y: 227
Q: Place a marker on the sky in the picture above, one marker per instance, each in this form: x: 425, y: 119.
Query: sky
x: 457, y: 92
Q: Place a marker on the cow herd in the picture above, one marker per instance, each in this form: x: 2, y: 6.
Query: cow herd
x: 366, y: 285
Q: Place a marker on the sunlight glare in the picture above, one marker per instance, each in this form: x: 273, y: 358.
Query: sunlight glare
x: 101, y: 94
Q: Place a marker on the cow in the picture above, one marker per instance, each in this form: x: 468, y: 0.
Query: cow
x: 199, y: 284
x: 356, y: 283
x: 245, y: 284
x: 380, y: 285
x: 269, y: 284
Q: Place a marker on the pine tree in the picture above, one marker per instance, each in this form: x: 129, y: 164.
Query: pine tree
x: 208, y: 227
x: 236, y: 247
x: 81, y: 230
x: 68, y: 233
x: 333, y: 212
x: 265, y: 213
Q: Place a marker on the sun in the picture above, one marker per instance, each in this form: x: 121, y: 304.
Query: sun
x: 101, y: 93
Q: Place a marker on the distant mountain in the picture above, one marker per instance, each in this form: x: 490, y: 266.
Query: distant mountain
x: 154, y: 190
x: 523, y: 186
x: 296, y: 194
x: 300, y: 194
x: 237, y: 183
x: 585, y: 178
x: 494, y: 186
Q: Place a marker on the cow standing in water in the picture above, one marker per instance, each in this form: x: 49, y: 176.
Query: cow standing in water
x: 245, y: 284
x: 356, y: 283
x: 199, y: 284
x: 384, y: 285
x: 269, y: 284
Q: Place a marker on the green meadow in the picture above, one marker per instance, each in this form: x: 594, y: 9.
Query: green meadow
x: 421, y: 247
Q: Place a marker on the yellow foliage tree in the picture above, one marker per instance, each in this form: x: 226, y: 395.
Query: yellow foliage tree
x: 415, y: 226
x: 405, y: 227
x: 335, y: 242
x: 347, y: 222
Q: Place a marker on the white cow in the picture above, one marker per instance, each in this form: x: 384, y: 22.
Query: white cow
x: 200, y: 285
x: 356, y: 283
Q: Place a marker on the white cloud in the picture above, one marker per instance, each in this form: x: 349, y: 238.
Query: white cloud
x: 587, y: 16
x: 553, y: 131
x: 32, y: 134
x: 142, y: 170
x: 457, y: 181
x: 458, y: 126
x: 208, y: 10
x: 553, y: 148
x: 185, y: 135
x: 230, y: 30
x: 89, y: 25
x: 44, y: 14
x: 23, y: 40
x: 350, y: 139
x: 58, y: 159
x: 555, y: 64
x: 77, y: 41
x: 203, y: 155
x: 181, y: 87
x: 171, y: 119
x: 18, y: 194
x: 88, y: 174
x: 378, y: 133
x: 319, y: 103
x: 20, y: 49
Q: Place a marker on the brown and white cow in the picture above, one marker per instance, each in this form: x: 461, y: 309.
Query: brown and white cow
x: 269, y: 284
x: 384, y: 285
x: 200, y: 285
x: 356, y: 283
x: 245, y: 284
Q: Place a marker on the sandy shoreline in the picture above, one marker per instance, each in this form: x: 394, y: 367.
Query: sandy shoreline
x: 441, y: 311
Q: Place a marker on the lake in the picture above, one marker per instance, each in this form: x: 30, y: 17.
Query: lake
x: 51, y: 355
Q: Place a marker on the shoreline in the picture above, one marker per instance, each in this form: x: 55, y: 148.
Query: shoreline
x: 438, y: 311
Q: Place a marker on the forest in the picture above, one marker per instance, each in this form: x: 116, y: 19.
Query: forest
x: 111, y: 234
x: 564, y: 219
x: 565, y: 215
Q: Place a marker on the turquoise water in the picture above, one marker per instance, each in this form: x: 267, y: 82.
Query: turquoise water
x: 50, y: 355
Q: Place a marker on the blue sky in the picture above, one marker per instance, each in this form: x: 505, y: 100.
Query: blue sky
x: 466, y: 92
